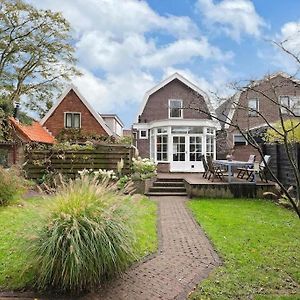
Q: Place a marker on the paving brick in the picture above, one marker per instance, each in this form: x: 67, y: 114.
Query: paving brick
x: 185, y: 257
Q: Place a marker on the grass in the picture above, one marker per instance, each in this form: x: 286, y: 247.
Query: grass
x: 19, y: 223
x: 258, y: 242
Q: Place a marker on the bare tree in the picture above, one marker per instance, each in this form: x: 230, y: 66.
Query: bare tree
x: 284, y: 132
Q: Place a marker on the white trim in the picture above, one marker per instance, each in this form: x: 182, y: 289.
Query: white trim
x: 84, y: 101
x: 115, y: 116
x: 183, y: 80
x: 178, y: 122
x: 71, y: 112
x: 169, y: 109
x: 143, y: 137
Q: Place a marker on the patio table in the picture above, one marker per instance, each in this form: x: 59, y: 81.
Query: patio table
x: 234, y: 163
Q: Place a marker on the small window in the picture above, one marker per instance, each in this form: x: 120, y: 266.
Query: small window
x: 253, y: 105
x: 175, y: 109
x: 143, y: 134
x: 290, y: 104
x: 72, y: 120
x: 239, y: 140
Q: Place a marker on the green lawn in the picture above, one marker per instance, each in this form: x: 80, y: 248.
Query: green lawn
x: 259, y: 243
x: 18, y: 227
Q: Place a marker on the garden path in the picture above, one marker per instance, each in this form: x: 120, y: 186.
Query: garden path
x: 185, y: 257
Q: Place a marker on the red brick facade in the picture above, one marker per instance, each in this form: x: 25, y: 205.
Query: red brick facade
x: 72, y: 103
x: 267, y: 92
x: 157, y: 106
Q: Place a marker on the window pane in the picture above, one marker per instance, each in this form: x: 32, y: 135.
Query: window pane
x: 68, y: 120
x: 253, y: 107
x: 76, y: 120
x: 175, y: 107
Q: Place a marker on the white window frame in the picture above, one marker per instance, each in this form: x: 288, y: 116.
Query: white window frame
x: 293, y: 105
x: 169, y: 109
x: 239, y: 134
x: 65, y: 119
x: 143, y: 137
x: 251, y: 112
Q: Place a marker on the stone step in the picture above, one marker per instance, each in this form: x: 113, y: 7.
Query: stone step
x: 169, y: 180
x: 165, y: 194
x: 168, y: 183
x: 167, y: 189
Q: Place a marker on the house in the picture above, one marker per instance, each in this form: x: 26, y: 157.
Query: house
x: 13, y: 152
x: 73, y: 111
x: 170, y: 128
x: 114, y: 123
x: 254, y: 108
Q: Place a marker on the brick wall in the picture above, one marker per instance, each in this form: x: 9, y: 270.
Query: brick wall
x: 156, y: 107
x: 72, y: 103
x: 277, y: 86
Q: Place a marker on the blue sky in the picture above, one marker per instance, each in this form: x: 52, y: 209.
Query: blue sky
x: 125, y: 47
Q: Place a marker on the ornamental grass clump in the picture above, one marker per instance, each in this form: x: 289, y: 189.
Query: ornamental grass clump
x: 87, y: 238
x: 12, y: 185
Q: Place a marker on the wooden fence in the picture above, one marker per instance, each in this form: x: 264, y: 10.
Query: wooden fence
x: 280, y: 163
x: 40, y: 162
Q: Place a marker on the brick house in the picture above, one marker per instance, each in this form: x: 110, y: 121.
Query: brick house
x: 245, y: 107
x: 13, y: 152
x: 171, y: 131
x: 72, y: 110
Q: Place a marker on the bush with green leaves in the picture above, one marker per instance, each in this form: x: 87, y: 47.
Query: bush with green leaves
x: 12, y: 185
x: 144, y: 167
x: 87, y: 238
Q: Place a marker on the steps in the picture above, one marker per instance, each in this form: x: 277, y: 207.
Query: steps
x: 168, y: 187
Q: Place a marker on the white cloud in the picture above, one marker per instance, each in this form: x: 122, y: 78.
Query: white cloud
x: 234, y: 17
x: 112, y: 92
x: 118, y: 17
x: 118, y: 50
x: 289, y: 36
x: 182, y: 51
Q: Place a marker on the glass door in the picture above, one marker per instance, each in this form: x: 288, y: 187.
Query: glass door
x: 179, y: 153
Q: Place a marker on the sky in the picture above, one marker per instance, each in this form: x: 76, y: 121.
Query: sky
x: 125, y: 47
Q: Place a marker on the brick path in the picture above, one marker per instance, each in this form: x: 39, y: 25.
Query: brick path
x: 185, y: 257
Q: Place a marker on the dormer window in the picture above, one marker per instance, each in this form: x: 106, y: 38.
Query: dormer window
x: 175, y: 109
x: 73, y: 120
x: 253, y: 105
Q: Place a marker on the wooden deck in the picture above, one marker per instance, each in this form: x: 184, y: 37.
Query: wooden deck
x: 197, y: 186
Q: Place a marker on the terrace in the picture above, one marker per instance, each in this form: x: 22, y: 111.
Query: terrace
x: 194, y: 185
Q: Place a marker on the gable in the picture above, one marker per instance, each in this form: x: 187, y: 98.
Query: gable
x: 73, y: 101
x: 270, y: 87
x: 155, y: 103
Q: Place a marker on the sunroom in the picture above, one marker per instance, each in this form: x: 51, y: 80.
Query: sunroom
x: 179, y: 147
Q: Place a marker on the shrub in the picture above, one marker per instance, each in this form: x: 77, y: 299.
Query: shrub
x: 144, y: 167
x: 86, y: 240
x: 122, y: 181
x: 12, y: 185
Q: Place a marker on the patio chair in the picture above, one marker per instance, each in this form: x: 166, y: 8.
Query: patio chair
x: 243, y: 171
x: 261, y: 170
x: 206, y: 170
x: 214, y: 171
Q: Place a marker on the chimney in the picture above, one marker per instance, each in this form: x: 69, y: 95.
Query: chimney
x: 16, y: 110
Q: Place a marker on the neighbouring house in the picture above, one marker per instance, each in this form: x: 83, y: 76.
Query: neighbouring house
x: 253, y: 108
x: 171, y: 131
x: 114, y: 123
x: 73, y: 111
x: 13, y: 152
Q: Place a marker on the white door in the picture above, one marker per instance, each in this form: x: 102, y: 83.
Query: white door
x: 186, y: 153
x: 195, y: 153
